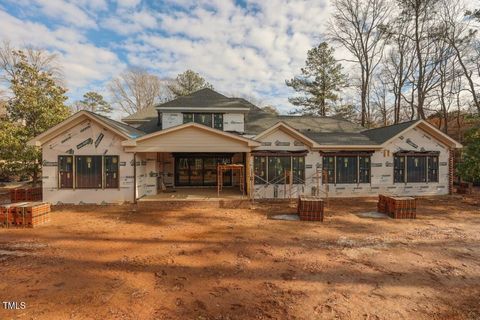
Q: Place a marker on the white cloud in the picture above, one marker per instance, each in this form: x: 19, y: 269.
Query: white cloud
x: 131, y: 22
x: 128, y: 3
x: 248, y: 50
x: 81, y: 61
x: 64, y: 11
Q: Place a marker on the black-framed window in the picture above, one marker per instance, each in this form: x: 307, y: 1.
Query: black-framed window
x: 218, y: 121
x: 65, y: 172
x: 203, y: 118
x: 398, y: 169
x: 276, y: 169
x: 213, y: 120
x: 415, y: 168
x: 88, y: 172
x: 433, y: 169
x: 364, y: 168
x: 187, y: 117
x: 298, y: 170
x: 277, y: 166
x: 329, y: 168
x: 348, y: 168
x: 111, y: 171
x: 260, y: 169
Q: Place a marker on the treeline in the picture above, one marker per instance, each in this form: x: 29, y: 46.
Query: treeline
x: 407, y: 59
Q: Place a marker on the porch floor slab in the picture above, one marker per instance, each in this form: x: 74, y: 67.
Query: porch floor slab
x: 195, y: 194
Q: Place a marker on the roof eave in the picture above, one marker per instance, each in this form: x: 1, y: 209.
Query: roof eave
x: 51, y: 133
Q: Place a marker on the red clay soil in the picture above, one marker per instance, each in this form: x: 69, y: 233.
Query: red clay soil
x: 112, y: 262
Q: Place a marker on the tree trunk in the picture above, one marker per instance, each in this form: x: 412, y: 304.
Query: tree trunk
x: 468, y: 75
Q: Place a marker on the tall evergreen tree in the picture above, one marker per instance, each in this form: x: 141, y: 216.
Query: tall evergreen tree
x: 38, y: 103
x: 94, y: 102
x: 320, y: 81
x: 188, y: 82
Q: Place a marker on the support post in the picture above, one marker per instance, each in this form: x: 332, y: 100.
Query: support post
x: 247, y: 173
x: 135, y: 178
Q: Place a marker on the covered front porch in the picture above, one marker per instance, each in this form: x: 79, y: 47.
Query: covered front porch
x: 191, y: 162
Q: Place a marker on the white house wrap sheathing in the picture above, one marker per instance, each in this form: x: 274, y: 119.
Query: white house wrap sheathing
x: 381, y: 168
x: 86, y: 139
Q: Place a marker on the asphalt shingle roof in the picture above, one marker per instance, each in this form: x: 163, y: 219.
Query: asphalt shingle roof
x: 382, y: 134
x: 204, y: 98
x: 122, y: 127
x: 323, y: 130
x: 143, y: 114
x: 339, y: 138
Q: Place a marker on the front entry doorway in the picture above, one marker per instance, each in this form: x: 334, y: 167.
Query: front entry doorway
x: 201, y: 169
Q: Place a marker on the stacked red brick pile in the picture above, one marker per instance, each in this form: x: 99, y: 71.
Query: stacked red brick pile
x: 310, y: 209
x: 24, y: 214
x: 26, y: 194
x: 398, y: 207
x: 465, y: 188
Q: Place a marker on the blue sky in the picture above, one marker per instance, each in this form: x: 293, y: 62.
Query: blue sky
x: 247, y: 47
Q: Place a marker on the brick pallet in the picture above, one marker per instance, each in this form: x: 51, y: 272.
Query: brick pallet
x: 382, y: 203
x: 25, y: 214
x: 310, y: 209
x: 7, y: 213
x: 465, y: 188
x: 26, y: 194
x: 398, y: 207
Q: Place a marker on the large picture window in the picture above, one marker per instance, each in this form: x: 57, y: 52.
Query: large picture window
x: 277, y: 169
x: 415, y: 168
x: 346, y: 168
x: 65, y: 172
x: 88, y: 172
x: 111, y: 171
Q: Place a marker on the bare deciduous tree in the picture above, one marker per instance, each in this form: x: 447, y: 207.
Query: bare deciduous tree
x: 359, y: 27
x: 41, y: 60
x: 429, y: 48
x: 460, y: 37
x: 136, y: 89
x: 397, y: 64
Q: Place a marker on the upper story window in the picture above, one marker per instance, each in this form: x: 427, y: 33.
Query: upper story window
x: 213, y: 120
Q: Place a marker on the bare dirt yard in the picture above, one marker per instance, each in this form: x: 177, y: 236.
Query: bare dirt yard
x: 114, y: 262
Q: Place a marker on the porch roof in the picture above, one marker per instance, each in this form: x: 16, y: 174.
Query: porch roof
x: 190, y: 137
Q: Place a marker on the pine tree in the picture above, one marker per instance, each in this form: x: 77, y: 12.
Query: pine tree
x: 320, y: 81
x: 187, y: 83
x: 94, y: 102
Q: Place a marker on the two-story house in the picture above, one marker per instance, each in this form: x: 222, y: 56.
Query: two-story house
x: 89, y: 158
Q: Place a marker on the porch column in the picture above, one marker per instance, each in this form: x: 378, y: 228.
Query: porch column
x: 248, y: 176
x: 135, y: 177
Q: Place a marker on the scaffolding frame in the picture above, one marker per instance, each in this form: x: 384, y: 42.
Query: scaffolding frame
x: 224, y: 167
